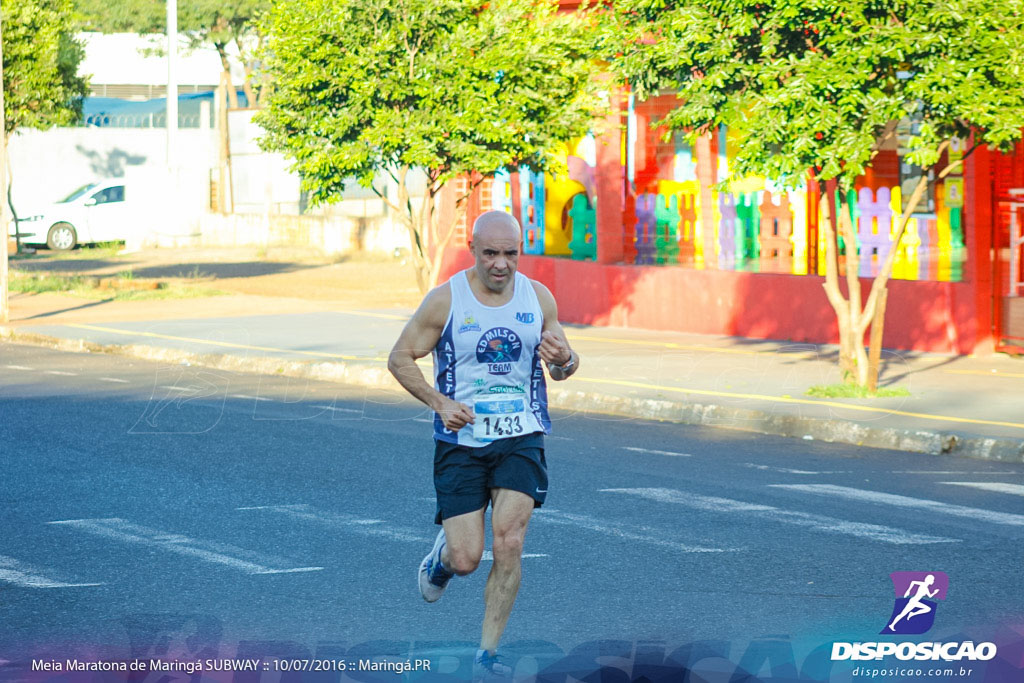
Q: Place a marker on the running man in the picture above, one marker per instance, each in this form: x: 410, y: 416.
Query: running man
x: 914, y: 606
x: 490, y: 330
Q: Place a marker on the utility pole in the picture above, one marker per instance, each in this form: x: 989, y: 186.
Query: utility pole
x: 5, y: 280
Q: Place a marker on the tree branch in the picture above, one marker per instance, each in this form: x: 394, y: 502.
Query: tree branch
x: 886, y: 269
x: 959, y: 162
x: 391, y: 205
x: 473, y: 184
x: 831, y: 284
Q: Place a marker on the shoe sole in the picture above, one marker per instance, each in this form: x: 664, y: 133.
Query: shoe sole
x: 421, y: 574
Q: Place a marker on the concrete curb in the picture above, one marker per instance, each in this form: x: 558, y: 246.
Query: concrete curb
x: 709, y: 415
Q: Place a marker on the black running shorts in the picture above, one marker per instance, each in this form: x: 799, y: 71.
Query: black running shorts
x: 464, y: 475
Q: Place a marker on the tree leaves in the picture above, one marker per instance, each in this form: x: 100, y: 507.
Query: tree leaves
x: 813, y: 84
x: 41, y: 57
x: 452, y: 86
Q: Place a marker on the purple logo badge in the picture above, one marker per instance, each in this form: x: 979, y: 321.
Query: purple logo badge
x: 916, y: 593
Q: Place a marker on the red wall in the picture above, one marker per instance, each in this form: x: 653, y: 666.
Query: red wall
x: 921, y: 316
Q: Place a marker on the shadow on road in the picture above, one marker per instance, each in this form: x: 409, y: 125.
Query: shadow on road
x: 220, y: 270
x: 48, y: 314
x: 209, y: 269
x: 58, y: 266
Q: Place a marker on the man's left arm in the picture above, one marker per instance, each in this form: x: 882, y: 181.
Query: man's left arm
x: 554, y: 348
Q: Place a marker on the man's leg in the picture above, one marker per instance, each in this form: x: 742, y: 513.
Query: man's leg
x: 464, y: 542
x: 510, y: 515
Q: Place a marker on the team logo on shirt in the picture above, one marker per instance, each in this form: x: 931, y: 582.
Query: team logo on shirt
x: 499, y: 348
x: 525, y: 318
x: 469, y: 324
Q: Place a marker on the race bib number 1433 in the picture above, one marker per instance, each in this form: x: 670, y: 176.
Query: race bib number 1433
x: 499, y: 418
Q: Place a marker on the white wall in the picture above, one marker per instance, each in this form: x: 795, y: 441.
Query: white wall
x: 47, y: 165
x: 260, y: 181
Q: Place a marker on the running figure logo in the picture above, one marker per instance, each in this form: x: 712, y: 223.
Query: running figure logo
x: 498, y: 349
x: 916, y: 592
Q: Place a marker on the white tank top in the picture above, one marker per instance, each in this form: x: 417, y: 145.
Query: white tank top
x: 487, y: 358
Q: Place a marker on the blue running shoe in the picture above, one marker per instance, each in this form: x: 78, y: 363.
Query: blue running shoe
x: 486, y: 667
x: 433, y: 577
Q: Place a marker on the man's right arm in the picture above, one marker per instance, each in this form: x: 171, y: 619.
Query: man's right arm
x: 418, y: 339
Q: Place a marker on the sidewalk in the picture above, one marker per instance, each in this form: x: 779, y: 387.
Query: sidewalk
x: 959, y: 405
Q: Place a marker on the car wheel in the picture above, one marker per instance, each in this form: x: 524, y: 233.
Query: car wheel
x: 62, y: 237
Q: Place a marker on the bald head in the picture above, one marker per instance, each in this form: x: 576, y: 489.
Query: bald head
x: 496, y: 223
x: 495, y: 245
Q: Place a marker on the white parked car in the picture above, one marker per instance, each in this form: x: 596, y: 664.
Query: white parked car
x: 93, y: 213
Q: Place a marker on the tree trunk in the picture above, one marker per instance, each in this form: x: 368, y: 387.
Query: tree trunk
x: 222, y: 50
x: 855, y: 361
x: 10, y: 202
x: 444, y: 238
x: 225, y: 183
x: 835, y: 297
x: 250, y: 93
x: 879, y: 288
x: 427, y: 240
x: 856, y: 323
x: 265, y: 79
x: 417, y: 247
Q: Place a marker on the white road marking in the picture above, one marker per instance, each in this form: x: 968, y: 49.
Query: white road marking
x: 177, y: 388
x: 873, y: 532
x: 251, y: 398
x: 571, y: 519
x: 557, y: 438
x: 422, y: 419
x: 17, y: 367
x: 906, y: 502
x: 12, y: 571
x: 338, y: 410
x: 63, y: 373
x: 229, y: 555
x: 1013, y: 489
x: 648, y: 450
x: 488, y: 556
x: 113, y: 379
x: 365, y: 527
x: 786, y: 470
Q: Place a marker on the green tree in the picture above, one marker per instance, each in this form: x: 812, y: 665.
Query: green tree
x: 123, y: 16
x: 42, y: 87
x: 815, y: 85
x: 448, y: 87
x: 221, y: 23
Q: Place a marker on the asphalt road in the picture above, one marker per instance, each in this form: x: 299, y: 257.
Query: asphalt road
x: 178, y: 511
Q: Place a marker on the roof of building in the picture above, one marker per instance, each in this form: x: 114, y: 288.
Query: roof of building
x: 131, y: 59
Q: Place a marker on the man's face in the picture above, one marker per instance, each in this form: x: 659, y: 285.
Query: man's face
x: 496, y: 248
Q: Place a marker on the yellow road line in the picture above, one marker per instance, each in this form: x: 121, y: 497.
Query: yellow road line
x: 229, y: 345
x: 987, y: 373
x: 367, y: 314
x: 804, y: 401
x: 625, y: 383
